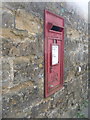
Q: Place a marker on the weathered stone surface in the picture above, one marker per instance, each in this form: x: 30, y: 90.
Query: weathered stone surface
x: 7, y: 33
x: 53, y: 114
x: 6, y: 74
x: 40, y: 109
x: 8, y: 19
x: 20, y: 33
x: 25, y: 70
x: 22, y: 48
x: 27, y: 22
x: 6, y: 45
x: 25, y: 48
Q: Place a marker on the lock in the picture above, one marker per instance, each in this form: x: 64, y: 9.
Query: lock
x: 54, y: 52
x: 54, y: 41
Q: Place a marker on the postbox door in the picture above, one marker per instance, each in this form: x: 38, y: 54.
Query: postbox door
x: 54, y: 47
x: 53, y: 52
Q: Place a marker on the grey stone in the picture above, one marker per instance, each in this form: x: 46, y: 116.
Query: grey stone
x: 6, y: 46
x: 8, y: 20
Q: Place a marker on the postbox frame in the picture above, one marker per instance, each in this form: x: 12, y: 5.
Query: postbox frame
x: 46, y: 94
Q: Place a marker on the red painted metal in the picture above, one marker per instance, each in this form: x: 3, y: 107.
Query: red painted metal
x: 54, y: 37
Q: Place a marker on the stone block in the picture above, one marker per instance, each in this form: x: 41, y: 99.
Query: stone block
x: 23, y: 72
x: 21, y: 33
x: 53, y: 113
x: 8, y: 19
x: 29, y: 22
x: 40, y: 109
x: 6, y: 46
x: 26, y: 68
x: 6, y: 74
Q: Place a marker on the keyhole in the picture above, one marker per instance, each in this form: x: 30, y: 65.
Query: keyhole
x: 55, y: 41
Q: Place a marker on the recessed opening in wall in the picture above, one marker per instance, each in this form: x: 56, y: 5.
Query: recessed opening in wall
x: 56, y: 28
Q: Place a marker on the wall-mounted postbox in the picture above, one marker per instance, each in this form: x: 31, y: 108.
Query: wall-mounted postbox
x: 54, y: 52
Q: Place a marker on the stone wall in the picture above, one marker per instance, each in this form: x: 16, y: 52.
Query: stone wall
x: 22, y: 60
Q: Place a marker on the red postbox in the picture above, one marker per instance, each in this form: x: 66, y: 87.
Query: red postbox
x: 54, y: 52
